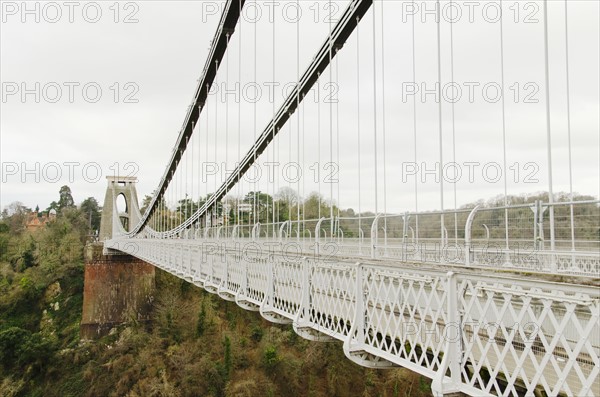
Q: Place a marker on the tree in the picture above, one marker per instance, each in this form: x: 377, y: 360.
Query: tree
x: 66, y: 199
x: 15, y: 214
x: 147, y: 200
x: 312, y: 204
x: 287, y: 195
x: 14, y: 208
x: 286, y: 202
x: 270, y: 357
x: 23, y: 255
x: 215, y: 210
x: 263, y: 203
x: 91, y: 210
x: 187, y: 207
x: 53, y: 206
x: 145, y: 203
x: 10, y: 342
x: 19, y: 347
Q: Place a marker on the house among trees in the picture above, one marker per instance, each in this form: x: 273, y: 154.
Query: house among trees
x: 36, y: 220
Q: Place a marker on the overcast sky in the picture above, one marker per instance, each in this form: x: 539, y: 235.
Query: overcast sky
x: 146, y: 58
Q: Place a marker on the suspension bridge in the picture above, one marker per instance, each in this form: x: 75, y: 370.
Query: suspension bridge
x: 333, y: 204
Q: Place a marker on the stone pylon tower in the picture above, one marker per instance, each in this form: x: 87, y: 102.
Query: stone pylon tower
x: 117, y: 186
x: 118, y: 287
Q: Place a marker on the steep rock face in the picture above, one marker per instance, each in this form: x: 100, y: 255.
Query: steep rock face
x: 117, y: 288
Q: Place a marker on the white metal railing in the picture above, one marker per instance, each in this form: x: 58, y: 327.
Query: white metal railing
x: 478, y: 334
x: 479, y: 237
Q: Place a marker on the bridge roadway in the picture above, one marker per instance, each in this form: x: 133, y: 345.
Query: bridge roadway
x: 490, y: 332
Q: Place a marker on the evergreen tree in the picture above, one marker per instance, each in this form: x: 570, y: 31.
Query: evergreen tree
x: 66, y: 199
x: 90, y: 209
x: 53, y: 206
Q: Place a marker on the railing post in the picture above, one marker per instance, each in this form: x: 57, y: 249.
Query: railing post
x: 189, y: 257
x: 442, y: 385
x: 360, y: 305
x: 405, y: 219
x: 303, y: 315
x: 385, y: 244
x: 256, y: 231
x: 356, y: 336
x: 306, y: 268
x: 225, y: 278
x: 374, y: 233
x: 444, y: 244
x: 193, y: 259
x: 318, y: 236
x: 468, y: 228
x: 210, y: 260
x: 283, y: 225
x: 553, y: 264
x: 181, y: 256
x: 267, y: 302
x: 244, y: 283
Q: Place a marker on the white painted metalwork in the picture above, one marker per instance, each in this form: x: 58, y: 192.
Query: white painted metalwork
x: 481, y: 334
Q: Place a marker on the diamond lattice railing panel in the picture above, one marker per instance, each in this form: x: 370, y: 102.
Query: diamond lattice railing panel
x: 405, y: 315
x: 356, y: 249
x: 184, y: 258
x: 257, y: 279
x: 538, y: 261
x: 332, y: 298
x: 287, y: 287
x: 191, y: 257
x: 217, y: 263
x: 160, y: 254
x: 235, y: 272
x: 206, y: 264
x: 394, y: 252
x: 169, y: 258
x: 176, y: 256
x: 204, y: 268
x: 428, y: 254
x: 156, y: 253
x: 520, y: 339
x: 578, y: 263
x: 195, y: 261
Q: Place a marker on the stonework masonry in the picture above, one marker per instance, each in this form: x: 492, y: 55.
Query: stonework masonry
x: 117, y: 289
